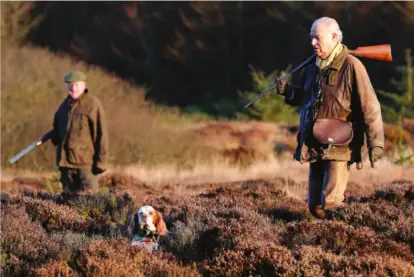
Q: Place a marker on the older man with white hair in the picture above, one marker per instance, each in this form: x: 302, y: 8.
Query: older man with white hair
x: 338, y: 108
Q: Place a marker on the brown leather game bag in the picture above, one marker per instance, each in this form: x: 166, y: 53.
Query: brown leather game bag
x: 333, y: 132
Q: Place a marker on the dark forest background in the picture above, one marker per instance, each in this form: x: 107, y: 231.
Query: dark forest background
x: 200, y: 55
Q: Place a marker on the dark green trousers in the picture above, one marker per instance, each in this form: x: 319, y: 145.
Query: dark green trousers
x: 75, y: 180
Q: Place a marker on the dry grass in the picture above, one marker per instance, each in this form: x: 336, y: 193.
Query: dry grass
x: 184, y: 181
x: 32, y: 88
x: 139, y: 132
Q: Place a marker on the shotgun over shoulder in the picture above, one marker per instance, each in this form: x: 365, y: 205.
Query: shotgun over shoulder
x: 378, y: 52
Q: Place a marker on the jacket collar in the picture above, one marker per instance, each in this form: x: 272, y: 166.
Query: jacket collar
x: 336, y: 66
x: 338, y: 62
x: 81, y: 99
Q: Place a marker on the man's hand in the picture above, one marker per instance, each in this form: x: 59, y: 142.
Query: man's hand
x: 375, y: 154
x: 281, y: 86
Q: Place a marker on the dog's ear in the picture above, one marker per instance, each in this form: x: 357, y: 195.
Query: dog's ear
x: 160, y: 224
x: 133, y: 224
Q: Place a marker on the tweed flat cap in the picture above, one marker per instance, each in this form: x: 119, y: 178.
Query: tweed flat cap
x: 75, y: 76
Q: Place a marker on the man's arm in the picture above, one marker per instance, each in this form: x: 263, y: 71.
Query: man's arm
x: 370, y: 106
x: 100, y: 138
x: 55, y: 131
x: 293, y: 94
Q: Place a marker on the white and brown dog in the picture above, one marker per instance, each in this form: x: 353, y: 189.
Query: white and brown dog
x: 145, y: 228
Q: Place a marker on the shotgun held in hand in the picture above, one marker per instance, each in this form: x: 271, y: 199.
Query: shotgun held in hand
x: 380, y: 52
x: 32, y: 146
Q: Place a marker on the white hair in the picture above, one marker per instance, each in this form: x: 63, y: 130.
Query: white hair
x: 331, y: 24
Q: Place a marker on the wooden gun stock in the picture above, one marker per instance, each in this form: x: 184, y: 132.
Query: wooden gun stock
x: 378, y: 52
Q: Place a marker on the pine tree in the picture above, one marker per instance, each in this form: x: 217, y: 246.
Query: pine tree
x: 401, y: 101
x: 402, y: 107
x: 271, y: 107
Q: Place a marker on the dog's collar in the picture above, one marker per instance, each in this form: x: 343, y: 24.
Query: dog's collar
x: 152, y: 238
x: 140, y: 239
x: 148, y: 244
x: 146, y: 240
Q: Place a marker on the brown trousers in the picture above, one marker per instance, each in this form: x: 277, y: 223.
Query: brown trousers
x: 75, y: 180
x: 327, y: 184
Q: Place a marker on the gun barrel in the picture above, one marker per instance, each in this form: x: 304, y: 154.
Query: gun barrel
x: 279, y: 80
x: 32, y: 146
x: 23, y: 152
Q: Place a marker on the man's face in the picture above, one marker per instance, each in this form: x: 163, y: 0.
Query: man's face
x: 76, y: 89
x: 323, y: 40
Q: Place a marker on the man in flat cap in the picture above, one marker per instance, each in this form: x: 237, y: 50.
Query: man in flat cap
x: 81, y: 138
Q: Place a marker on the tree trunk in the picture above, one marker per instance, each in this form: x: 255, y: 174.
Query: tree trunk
x: 409, y: 74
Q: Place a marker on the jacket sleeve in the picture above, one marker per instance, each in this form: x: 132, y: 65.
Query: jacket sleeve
x: 55, y: 131
x: 293, y: 95
x: 370, y: 106
x: 100, y: 136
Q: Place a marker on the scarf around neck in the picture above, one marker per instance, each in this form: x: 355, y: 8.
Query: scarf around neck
x: 326, y: 62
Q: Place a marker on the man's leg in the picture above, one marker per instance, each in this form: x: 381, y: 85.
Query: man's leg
x: 88, y: 181
x: 70, y: 183
x: 316, y: 174
x: 336, y: 175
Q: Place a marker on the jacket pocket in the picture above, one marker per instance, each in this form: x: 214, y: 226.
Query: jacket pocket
x: 80, y: 123
x: 79, y: 154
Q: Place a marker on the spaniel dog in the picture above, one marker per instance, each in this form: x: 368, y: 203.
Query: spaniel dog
x: 145, y: 228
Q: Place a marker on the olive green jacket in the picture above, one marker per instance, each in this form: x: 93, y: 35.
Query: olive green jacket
x: 347, y: 95
x: 80, y: 135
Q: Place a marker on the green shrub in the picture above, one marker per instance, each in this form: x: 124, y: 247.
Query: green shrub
x: 270, y: 107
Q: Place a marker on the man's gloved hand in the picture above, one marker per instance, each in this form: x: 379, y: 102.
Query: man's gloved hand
x: 280, y: 87
x: 375, y: 154
x: 97, y: 170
